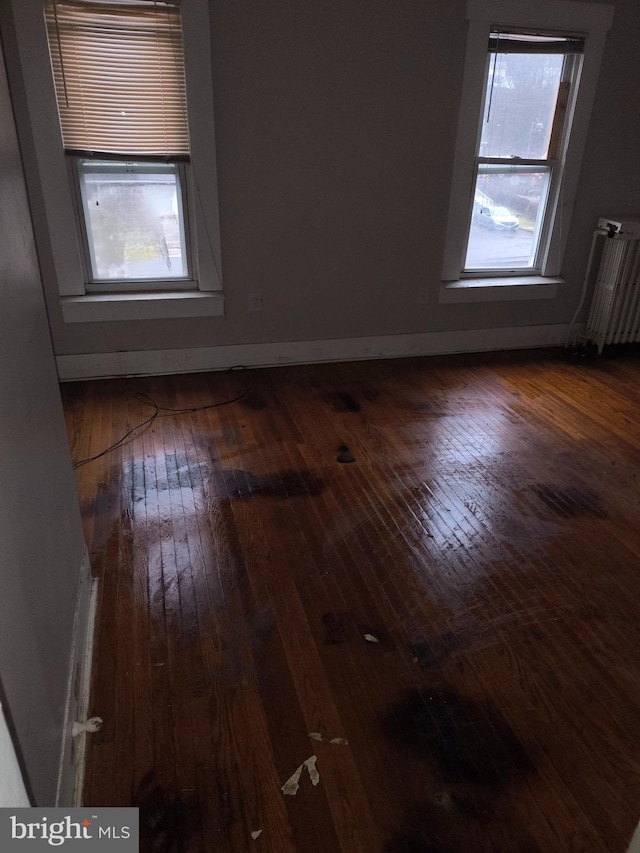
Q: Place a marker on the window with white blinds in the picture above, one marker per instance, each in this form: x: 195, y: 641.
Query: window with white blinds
x: 119, y: 76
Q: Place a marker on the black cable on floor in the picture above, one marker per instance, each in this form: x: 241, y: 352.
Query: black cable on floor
x: 168, y: 412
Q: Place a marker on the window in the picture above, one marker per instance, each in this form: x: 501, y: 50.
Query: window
x: 119, y: 101
x: 518, y: 162
x: 119, y: 78
x: 528, y: 86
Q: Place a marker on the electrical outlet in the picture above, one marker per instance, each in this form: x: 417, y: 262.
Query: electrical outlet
x: 423, y: 295
x: 255, y: 302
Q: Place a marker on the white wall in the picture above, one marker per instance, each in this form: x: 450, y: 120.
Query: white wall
x: 610, y: 181
x: 335, y: 124
x: 12, y: 790
x: 41, y: 540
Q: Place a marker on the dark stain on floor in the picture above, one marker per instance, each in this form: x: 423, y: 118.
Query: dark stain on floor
x: 231, y: 435
x: 345, y: 455
x: 333, y: 630
x: 280, y: 484
x: 470, y: 743
x: 569, y: 501
x: 167, y: 822
x: 344, y: 402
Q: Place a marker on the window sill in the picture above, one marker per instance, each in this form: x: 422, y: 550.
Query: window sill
x: 105, y: 307
x: 505, y: 289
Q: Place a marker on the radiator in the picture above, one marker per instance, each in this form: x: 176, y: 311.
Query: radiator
x: 614, y: 317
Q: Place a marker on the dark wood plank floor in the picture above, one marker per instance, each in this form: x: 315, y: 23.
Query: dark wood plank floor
x: 485, y: 536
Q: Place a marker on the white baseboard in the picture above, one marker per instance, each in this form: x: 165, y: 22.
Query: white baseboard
x: 72, y: 753
x: 85, y: 696
x: 190, y: 360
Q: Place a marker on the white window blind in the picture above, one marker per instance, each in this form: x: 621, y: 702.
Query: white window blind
x: 119, y: 75
x: 523, y: 42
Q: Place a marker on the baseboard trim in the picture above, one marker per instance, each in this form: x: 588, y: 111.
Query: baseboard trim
x: 72, y: 757
x: 194, y: 359
x: 85, y: 696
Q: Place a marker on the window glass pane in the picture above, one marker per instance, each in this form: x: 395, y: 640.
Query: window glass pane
x: 134, y: 220
x: 522, y: 90
x: 506, y: 219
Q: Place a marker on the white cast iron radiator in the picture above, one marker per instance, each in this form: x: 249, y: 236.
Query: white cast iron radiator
x: 614, y: 317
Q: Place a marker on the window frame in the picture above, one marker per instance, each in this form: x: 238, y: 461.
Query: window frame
x: 57, y: 198
x: 590, y: 20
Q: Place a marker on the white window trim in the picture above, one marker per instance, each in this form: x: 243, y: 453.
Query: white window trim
x: 593, y: 19
x: 57, y: 192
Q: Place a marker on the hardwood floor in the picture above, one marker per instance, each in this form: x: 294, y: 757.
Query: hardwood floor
x: 459, y: 605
